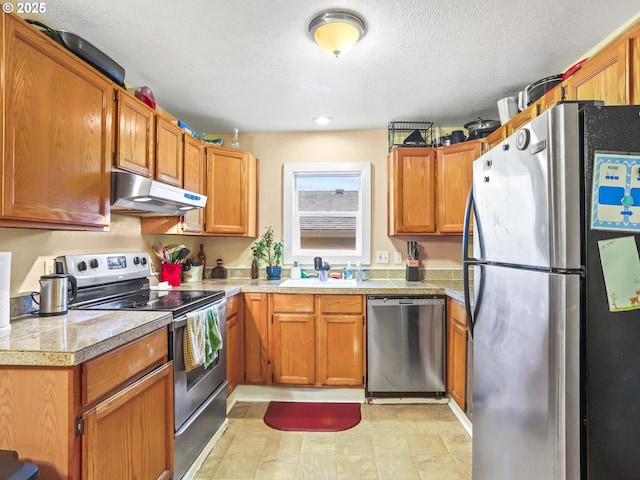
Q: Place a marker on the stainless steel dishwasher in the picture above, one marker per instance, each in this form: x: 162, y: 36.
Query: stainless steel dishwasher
x: 405, y: 345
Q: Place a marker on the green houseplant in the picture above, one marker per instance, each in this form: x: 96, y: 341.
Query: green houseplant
x: 267, y: 249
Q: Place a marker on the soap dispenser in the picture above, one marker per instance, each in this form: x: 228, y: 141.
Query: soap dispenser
x: 295, y: 271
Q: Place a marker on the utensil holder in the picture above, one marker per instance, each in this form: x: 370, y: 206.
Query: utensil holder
x: 170, y: 272
x: 413, y: 274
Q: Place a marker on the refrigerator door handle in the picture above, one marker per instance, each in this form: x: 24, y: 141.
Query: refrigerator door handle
x: 468, y: 261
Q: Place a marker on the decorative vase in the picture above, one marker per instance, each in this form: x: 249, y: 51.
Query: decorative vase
x: 273, y: 273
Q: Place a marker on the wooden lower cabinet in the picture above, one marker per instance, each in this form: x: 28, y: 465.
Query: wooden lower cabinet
x: 234, y: 342
x: 255, y: 325
x: 304, y: 339
x: 130, y: 434
x: 340, y: 326
x: 456, y: 351
x: 293, y: 339
x: 50, y: 416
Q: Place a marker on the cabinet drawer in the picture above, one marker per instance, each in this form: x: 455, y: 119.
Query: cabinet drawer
x: 341, y: 303
x: 294, y: 303
x: 232, y: 306
x: 118, y: 367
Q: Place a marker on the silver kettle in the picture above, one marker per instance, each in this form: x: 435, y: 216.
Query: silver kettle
x: 56, y: 291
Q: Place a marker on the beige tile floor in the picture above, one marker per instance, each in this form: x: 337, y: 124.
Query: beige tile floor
x: 392, y: 442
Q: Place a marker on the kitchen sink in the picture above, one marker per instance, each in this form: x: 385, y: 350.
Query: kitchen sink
x: 316, y: 283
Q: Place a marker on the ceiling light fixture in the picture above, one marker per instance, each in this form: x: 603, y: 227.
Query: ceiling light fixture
x: 322, y: 120
x: 337, y: 31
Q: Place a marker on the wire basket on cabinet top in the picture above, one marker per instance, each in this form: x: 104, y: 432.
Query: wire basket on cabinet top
x: 410, y: 134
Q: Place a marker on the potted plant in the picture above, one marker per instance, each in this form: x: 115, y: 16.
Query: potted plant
x: 270, y: 251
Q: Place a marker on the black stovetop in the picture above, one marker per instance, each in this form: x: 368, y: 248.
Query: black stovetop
x: 175, y: 301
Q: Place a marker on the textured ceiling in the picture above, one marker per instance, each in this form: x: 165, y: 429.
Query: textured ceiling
x: 250, y: 64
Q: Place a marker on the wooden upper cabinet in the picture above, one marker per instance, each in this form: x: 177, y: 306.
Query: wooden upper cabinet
x: 495, y: 138
x: 194, y: 181
x: 231, y: 189
x: 455, y: 175
x: 135, y: 135
x: 57, y: 134
x: 169, y: 154
x: 411, y: 192
x: 604, y: 76
x: 191, y: 223
x: 525, y: 116
x: 634, y: 41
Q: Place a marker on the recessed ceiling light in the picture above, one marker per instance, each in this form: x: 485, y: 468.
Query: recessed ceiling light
x: 322, y: 120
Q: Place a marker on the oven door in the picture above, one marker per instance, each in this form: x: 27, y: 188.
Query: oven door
x: 192, y: 388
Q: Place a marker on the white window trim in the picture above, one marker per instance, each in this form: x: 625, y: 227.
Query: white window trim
x: 363, y: 237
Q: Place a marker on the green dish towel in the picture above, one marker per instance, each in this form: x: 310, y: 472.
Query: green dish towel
x: 212, y: 337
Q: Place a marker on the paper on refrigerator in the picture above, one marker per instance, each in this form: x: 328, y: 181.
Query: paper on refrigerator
x: 621, y: 269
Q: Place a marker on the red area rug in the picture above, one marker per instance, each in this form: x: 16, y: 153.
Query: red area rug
x: 312, y: 417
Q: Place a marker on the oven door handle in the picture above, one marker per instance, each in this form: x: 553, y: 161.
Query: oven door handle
x: 181, y: 321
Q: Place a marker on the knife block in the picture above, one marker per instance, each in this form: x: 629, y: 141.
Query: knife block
x: 412, y: 274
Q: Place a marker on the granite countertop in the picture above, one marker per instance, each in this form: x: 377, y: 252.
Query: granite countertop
x: 233, y: 286
x: 67, y: 340
x: 72, y: 339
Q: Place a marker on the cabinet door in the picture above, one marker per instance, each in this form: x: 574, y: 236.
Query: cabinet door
x: 341, y: 354
x: 194, y: 181
x: 411, y: 191
x: 234, y: 343
x: 496, y: 137
x: 255, y: 327
x: 525, y: 116
x: 130, y: 435
x: 604, y: 76
x: 55, y: 169
x: 168, y: 152
x: 292, y: 337
x: 635, y: 67
x: 135, y: 135
x: 456, y: 351
x: 455, y: 174
x: 231, y: 192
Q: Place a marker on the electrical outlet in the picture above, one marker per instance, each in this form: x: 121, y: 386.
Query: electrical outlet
x: 397, y: 258
x: 49, y: 267
x: 382, y: 257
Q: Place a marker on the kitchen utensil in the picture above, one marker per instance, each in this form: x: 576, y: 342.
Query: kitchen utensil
x: 86, y: 51
x: 507, y: 108
x: 446, y: 140
x: 146, y: 95
x: 521, y: 101
x: 182, y: 254
x: 573, y: 68
x: 415, y: 138
x: 481, y: 128
x: 538, y: 88
x: 56, y: 291
x: 457, y: 136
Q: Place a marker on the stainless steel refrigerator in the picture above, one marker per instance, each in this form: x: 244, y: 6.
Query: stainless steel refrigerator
x: 556, y: 373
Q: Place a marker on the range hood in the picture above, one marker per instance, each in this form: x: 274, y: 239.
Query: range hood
x: 138, y: 195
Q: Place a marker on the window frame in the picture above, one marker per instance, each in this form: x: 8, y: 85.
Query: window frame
x: 291, y: 224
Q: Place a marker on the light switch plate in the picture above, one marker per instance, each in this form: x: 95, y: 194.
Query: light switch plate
x: 397, y: 258
x: 382, y: 257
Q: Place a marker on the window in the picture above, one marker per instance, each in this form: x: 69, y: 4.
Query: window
x: 327, y: 212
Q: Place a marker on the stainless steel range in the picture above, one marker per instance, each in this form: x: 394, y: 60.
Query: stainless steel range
x: 120, y: 281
